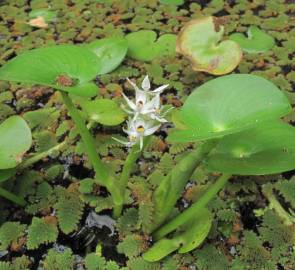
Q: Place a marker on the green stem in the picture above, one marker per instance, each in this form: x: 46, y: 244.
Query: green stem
x: 11, y: 197
x: 104, y: 177
x: 172, y: 186
x: 30, y: 161
x: 194, y: 209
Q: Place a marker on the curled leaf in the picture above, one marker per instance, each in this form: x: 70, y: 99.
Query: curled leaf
x: 200, y: 41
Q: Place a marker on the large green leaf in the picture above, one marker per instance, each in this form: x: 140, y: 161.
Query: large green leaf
x: 200, y: 41
x: 266, y: 149
x: 15, y: 140
x: 6, y: 174
x: 46, y: 66
x: 229, y: 104
x: 104, y: 111
x: 110, y: 51
x: 191, y: 236
x: 256, y: 42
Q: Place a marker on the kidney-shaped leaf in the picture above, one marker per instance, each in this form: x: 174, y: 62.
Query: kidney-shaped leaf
x: 230, y: 104
x: 256, y: 42
x: 110, y: 51
x: 63, y: 67
x: 200, y: 41
x: 144, y: 46
x: 104, y: 111
x: 15, y: 140
x: 266, y: 149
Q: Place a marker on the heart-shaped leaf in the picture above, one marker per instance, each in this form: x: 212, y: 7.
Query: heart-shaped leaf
x: 15, y: 140
x: 110, y: 51
x: 64, y: 67
x: 256, y: 42
x: 200, y: 41
x: 144, y: 46
x: 229, y: 104
x: 104, y: 111
x: 192, y: 235
x: 265, y: 149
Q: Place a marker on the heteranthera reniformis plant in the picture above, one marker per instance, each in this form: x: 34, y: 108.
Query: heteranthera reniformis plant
x: 70, y: 69
x: 238, y: 118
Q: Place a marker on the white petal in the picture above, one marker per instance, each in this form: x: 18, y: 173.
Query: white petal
x: 133, y: 84
x: 122, y: 142
x: 126, y: 110
x: 160, y: 89
x: 129, y: 102
x: 146, y: 83
x: 151, y: 130
x: 141, y: 143
x: 159, y: 119
x: 140, y: 96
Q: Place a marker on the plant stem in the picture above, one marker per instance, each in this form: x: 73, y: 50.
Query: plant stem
x: 30, y: 161
x: 11, y: 197
x: 104, y: 177
x: 173, y: 184
x: 193, y: 210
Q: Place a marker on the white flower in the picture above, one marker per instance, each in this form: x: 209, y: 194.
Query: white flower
x: 137, y: 129
x: 146, y: 102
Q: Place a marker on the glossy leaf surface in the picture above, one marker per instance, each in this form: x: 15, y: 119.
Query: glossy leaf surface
x: 256, y: 41
x: 63, y: 67
x: 229, y: 104
x: 200, y: 41
x: 265, y: 149
x: 15, y: 140
x: 110, y: 51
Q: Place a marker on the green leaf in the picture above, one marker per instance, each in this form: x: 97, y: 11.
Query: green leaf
x: 200, y: 41
x: 15, y: 140
x: 144, y: 47
x: 190, y: 237
x: 229, y: 104
x: 256, y: 41
x: 6, y: 174
x: 47, y: 15
x: 265, y: 149
x: 110, y: 51
x: 104, y: 111
x: 172, y: 2
x: 63, y: 67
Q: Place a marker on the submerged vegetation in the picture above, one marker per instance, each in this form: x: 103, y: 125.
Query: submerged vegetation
x: 119, y: 149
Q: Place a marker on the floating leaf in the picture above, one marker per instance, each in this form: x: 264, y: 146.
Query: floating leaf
x: 194, y: 233
x: 144, y: 46
x: 6, y: 174
x: 110, y: 51
x: 104, y: 111
x: 41, y: 17
x: 256, y: 42
x: 229, y: 104
x: 200, y: 41
x: 266, y: 149
x: 15, y: 140
x: 64, y: 67
x: 172, y: 2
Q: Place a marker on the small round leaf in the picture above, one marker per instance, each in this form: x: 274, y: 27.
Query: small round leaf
x: 104, y: 111
x: 144, y: 46
x: 110, y: 51
x: 200, y: 41
x: 266, y: 149
x: 15, y: 140
x: 229, y: 104
x: 64, y: 67
x: 256, y: 42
